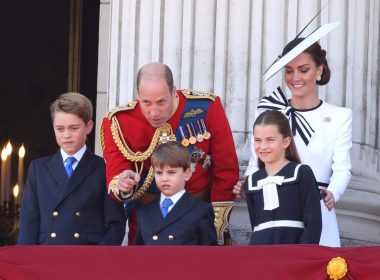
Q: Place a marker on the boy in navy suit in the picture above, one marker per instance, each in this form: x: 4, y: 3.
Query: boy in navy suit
x: 65, y: 201
x: 175, y: 218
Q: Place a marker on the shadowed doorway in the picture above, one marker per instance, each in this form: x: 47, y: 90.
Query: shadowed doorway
x: 48, y: 48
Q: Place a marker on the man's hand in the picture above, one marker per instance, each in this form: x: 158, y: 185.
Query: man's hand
x: 328, y: 198
x: 127, y: 180
x: 238, y: 189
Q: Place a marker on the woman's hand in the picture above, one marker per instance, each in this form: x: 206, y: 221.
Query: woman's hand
x: 238, y: 189
x: 328, y: 198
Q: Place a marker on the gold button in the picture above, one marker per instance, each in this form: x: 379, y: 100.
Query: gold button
x: 155, y: 237
x: 55, y: 214
x: 171, y: 237
x: 77, y: 214
x: 53, y: 235
x: 76, y: 235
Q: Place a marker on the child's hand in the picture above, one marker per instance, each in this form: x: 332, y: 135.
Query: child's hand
x: 328, y: 198
x: 127, y: 180
x: 238, y: 189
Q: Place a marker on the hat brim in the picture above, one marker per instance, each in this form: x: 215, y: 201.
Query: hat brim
x: 307, y: 42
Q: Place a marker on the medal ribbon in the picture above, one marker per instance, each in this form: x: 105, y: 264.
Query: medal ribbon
x: 192, y: 104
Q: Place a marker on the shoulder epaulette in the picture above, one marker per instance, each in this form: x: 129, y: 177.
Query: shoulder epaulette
x: 129, y: 106
x: 197, y: 94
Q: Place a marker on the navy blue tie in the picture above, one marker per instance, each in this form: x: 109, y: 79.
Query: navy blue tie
x: 165, y: 206
x: 69, y: 165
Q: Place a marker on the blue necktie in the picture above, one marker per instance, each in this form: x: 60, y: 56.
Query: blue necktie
x: 165, y: 206
x: 69, y: 165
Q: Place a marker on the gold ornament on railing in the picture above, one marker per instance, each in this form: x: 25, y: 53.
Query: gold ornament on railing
x: 337, y: 268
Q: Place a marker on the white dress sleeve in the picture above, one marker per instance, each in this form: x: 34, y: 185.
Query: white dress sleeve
x: 341, y: 174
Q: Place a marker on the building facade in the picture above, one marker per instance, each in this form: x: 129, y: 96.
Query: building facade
x: 224, y: 46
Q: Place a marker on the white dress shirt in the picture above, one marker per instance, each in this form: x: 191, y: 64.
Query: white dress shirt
x: 174, y: 198
x: 77, y: 156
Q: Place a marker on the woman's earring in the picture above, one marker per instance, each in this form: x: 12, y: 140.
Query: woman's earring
x: 318, y: 78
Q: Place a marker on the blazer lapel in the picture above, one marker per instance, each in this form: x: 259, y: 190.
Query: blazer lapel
x: 182, y: 207
x: 154, y: 211
x: 81, y: 172
x: 57, y: 171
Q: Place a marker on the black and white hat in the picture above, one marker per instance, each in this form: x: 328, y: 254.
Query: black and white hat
x: 296, y: 47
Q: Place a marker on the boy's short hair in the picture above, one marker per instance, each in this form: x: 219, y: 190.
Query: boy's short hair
x: 172, y: 154
x: 73, y: 103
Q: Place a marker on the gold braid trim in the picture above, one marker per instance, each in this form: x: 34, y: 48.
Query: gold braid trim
x: 162, y: 134
x: 141, y: 190
x: 110, y: 114
x: 221, y: 212
x: 114, y: 189
x: 198, y: 94
x: 113, y: 184
x: 129, y: 106
x: 102, y: 145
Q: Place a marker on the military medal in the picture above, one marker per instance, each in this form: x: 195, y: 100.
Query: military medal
x: 185, y: 142
x: 192, y: 139
x: 199, y: 136
x: 206, y: 134
x: 201, y: 132
x: 207, y: 162
x: 196, y: 155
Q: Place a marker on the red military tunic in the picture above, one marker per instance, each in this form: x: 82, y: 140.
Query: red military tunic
x: 221, y: 175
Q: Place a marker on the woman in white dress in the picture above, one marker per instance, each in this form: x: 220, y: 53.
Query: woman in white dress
x: 322, y: 132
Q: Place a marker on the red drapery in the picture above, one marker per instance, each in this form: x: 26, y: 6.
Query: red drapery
x: 195, y: 262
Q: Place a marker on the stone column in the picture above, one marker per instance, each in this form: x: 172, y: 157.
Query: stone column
x: 359, y: 218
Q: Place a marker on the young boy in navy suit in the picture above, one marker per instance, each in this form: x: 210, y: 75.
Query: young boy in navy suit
x: 175, y: 218
x: 65, y: 201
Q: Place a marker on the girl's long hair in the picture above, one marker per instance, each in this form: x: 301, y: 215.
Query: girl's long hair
x: 273, y: 117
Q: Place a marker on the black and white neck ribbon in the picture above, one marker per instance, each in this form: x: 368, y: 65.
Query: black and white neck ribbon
x: 278, y: 101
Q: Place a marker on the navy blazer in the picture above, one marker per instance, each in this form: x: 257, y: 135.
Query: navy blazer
x: 56, y: 210
x: 190, y: 222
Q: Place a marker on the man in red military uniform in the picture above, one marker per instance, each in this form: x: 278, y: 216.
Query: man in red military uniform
x: 130, y: 133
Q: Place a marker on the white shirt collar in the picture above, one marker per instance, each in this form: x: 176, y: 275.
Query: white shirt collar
x: 174, y: 198
x: 78, y: 155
